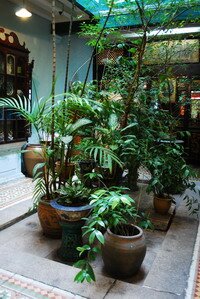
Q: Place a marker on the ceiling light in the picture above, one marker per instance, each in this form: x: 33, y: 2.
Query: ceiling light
x: 23, y: 12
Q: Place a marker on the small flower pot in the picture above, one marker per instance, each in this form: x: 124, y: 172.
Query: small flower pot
x: 162, y: 205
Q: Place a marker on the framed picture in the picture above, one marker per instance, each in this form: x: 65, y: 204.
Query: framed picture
x: 10, y: 64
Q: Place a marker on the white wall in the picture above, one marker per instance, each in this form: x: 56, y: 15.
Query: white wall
x: 79, y: 60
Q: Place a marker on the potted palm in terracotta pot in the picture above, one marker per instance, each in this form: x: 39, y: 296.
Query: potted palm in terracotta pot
x: 114, y: 223
x: 51, y: 163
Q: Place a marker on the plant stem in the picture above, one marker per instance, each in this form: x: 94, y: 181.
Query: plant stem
x: 53, y: 88
x: 68, y: 49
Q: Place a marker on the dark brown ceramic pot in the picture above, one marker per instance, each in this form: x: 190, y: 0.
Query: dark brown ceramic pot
x: 49, y: 220
x: 123, y: 255
x: 67, y: 172
x: 162, y: 205
x: 33, y: 156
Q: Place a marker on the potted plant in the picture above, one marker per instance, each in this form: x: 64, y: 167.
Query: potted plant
x: 123, y: 244
x: 170, y: 174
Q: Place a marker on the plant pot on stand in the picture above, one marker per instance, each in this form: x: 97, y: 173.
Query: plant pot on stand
x: 71, y: 223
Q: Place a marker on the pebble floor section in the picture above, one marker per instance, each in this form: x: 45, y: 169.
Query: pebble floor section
x: 14, y: 286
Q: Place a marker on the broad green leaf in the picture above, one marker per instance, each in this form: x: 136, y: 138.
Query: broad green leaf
x: 99, y: 236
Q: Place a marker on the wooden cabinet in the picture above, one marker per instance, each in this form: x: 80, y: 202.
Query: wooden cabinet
x: 15, y: 80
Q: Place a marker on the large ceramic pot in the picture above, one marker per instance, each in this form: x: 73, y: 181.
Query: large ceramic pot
x: 71, y: 223
x: 123, y: 255
x: 49, y: 220
x: 111, y: 178
x: 162, y: 205
x: 33, y: 156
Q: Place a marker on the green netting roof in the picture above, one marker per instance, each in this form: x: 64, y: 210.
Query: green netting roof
x: 121, y: 16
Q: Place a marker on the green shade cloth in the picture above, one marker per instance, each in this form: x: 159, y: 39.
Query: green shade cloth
x: 189, y: 10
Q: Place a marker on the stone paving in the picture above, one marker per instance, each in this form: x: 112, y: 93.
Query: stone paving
x: 29, y: 268
x: 26, y: 252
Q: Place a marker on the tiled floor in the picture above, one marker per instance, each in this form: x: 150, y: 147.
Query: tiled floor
x: 196, y: 292
x: 15, y: 286
x: 193, y: 288
x: 15, y: 191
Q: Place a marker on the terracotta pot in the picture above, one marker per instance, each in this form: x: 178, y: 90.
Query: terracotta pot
x: 71, y: 213
x: 123, y: 255
x: 162, y: 205
x: 32, y: 157
x: 49, y: 220
x: 66, y: 172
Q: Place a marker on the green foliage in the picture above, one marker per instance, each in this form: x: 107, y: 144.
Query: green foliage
x: 170, y: 173
x: 73, y: 193
x: 111, y: 208
x: 92, y: 32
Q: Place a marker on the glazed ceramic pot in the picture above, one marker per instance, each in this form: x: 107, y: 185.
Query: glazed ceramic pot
x: 123, y: 255
x: 71, y: 213
x: 162, y: 205
x: 49, y: 220
x: 33, y: 156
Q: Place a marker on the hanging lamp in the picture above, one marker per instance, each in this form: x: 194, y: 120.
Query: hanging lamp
x: 23, y: 12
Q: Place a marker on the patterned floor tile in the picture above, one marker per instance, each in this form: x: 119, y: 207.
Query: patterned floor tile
x: 4, y: 276
x: 6, y: 293
x: 15, y: 286
x: 65, y: 295
x: 15, y: 191
x: 196, y: 289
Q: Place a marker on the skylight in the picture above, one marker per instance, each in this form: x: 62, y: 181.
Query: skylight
x: 121, y: 16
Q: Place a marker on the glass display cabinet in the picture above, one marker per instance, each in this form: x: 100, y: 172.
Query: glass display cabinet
x: 15, y: 80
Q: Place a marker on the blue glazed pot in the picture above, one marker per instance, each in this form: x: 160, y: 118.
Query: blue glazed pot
x: 71, y: 213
